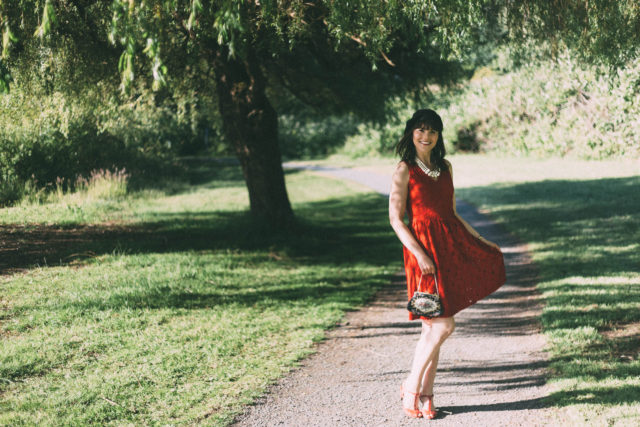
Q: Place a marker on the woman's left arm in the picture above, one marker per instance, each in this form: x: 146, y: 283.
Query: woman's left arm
x: 465, y: 223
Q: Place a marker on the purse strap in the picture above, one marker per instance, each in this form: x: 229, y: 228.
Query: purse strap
x: 435, y: 278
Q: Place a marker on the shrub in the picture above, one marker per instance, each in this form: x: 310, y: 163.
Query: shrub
x: 49, y: 139
x: 549, y: 108
x: 543, y: 108
x: 11, y: 190
x: 303, y: 137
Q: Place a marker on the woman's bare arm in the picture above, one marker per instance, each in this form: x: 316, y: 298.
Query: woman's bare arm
x: 465, y: 223
x: 397, y: 205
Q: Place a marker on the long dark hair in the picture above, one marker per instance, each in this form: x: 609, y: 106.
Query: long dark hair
x: 405, y: 148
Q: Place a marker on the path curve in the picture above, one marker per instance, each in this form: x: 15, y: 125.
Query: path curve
x: 492, y: 369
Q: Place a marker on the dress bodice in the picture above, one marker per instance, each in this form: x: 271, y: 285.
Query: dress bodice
x: 429, y: 197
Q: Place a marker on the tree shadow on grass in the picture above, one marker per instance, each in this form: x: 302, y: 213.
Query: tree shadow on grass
x: 344, y: 231
x: 587, y: 238
x: 586, y: 231
x: 334, y: 235
x: 347, y: 292
x: 324, y: 231
x: 625, y: 394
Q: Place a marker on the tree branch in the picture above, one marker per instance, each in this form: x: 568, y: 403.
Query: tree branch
x: 386, y: 58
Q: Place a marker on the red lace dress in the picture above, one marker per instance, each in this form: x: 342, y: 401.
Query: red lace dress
x: 467, y: 268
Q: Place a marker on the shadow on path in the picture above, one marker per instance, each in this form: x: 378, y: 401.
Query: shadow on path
x: 492, y: 369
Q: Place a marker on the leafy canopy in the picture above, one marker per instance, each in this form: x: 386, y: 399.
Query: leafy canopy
x: 153, y: 33
x: 157, y: 31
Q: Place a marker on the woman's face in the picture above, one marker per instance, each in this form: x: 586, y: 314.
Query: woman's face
x: 424, y: 139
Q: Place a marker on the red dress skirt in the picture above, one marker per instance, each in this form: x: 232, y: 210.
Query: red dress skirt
x: 467, y: 268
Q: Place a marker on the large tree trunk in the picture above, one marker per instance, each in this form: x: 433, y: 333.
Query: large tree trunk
x: 250, y: 123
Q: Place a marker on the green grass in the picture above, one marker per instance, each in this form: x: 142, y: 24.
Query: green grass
x: 581, y: 222
x: 170, y: 307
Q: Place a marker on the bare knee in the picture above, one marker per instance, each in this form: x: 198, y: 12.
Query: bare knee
x: 426, y: 326
x: 442, y: 327
x: 450, y: 326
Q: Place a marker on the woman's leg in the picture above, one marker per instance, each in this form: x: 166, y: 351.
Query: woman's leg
x: 434, y: 332
x: 430, y: 375
x: 426, y: 393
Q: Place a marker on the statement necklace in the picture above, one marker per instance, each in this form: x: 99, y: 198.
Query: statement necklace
x: 432, y: 173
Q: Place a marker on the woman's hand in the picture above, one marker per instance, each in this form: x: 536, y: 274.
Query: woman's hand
x: 426, y: 264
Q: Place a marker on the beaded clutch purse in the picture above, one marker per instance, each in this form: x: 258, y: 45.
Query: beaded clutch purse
x: 425, y: 304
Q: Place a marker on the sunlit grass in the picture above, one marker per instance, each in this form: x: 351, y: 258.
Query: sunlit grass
x: 189, y: 312
x: 580, y: 219
x: 103, y: 184
x: 89, y: 199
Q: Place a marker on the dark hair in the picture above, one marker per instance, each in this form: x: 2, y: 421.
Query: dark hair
x: 405, y: 148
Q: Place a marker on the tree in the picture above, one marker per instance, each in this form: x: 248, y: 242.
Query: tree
x: 246, y: 42
x: 331, y: 54
x: 597, y: 31
x: 241, y: 44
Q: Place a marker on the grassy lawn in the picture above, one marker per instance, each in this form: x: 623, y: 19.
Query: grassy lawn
x: 169, y: 307
x: 581, y: 222
x: 582, y: 225
x: 580, y: 219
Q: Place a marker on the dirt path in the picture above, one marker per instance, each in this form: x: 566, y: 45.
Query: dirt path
x: 491, y: 373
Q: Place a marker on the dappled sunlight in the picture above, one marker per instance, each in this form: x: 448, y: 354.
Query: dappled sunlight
x: 584, y: 235
x: 603, y: 280
x: 188, y: 289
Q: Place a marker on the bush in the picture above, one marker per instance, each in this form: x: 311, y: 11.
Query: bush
x: 303, y: 137
x: 558, y: 108
x: 11, y: 190
x: 543, y: 108
x: 40, y: 151
x: 51, y: 138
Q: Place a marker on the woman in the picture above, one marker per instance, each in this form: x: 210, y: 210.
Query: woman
x: 437, y: 243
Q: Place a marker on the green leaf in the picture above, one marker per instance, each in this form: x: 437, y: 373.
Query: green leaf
x: 48, y: 20
x: 5, y: 78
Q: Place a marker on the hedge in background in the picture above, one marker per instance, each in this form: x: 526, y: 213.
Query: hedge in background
x: 544, y: 108
x: 51, y: 137
x: 548, y: 108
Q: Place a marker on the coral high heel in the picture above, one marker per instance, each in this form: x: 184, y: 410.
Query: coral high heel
x: 412, y: 412
x: 428, y: 411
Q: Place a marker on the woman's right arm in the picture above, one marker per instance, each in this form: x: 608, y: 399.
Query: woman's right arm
x: 397, y: 204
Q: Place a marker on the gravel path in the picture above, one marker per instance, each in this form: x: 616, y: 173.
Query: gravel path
x: 491, y: 372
